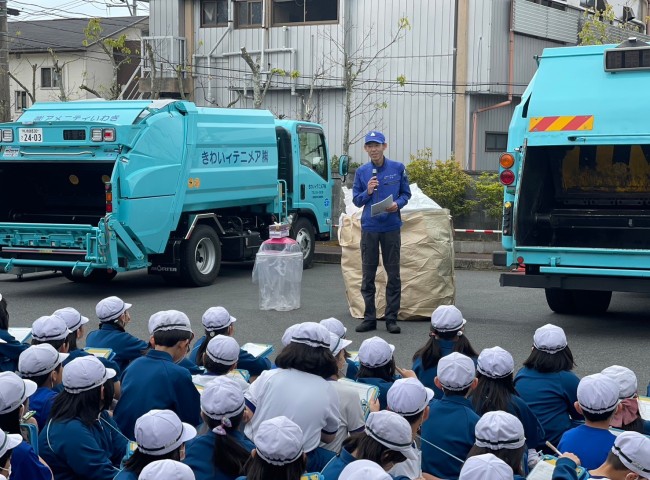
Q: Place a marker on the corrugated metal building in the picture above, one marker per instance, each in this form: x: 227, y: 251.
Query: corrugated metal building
x: 466, y: 62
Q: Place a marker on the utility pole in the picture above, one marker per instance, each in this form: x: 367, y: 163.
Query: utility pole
x: 5, y: 100
x: 5, y: 94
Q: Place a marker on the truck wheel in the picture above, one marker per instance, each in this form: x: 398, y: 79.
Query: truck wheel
x: 96, y: 276
x: 200, y: 257
x: 560, y: 301
x: 591, y: 302
x: 303, y: 233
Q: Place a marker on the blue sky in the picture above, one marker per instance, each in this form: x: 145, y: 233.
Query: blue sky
x: 52, y: 9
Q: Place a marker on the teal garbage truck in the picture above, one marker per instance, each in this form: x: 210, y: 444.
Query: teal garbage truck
x: 577, y: 178
x: 94, y: 188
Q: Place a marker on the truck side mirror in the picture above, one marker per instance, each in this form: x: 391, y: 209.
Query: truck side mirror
x: 343, y: 166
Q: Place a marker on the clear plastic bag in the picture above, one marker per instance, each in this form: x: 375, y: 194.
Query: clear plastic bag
x: 278, y: 272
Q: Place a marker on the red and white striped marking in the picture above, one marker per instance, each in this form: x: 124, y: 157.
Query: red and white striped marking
x: 469, y: 230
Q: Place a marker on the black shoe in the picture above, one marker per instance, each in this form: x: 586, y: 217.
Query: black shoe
x: 392, y: 327
x: 366, y: 326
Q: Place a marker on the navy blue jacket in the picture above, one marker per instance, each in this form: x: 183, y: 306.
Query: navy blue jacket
x: 392, y: 181
x: 565, y: 469
x: 25, y: 464
x: 10, y: 351
x: 198, y: 455
x: 551, y: 397
x: 75, y: 451
x: 383, y: 387
x: 156, y: 382
x: 125, y: 346
x: 41, y: 402
x: 450, y: 426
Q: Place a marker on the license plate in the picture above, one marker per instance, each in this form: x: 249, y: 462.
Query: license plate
x: 30, y: 135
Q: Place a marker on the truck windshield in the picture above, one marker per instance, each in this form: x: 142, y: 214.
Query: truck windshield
x: 585, y: 195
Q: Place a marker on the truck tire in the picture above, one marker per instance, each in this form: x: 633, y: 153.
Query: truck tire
x: 559, y: 300
x: 96, y: 276
x: 200, y: 257
x: 303, y: 232
x: 591, y: 302
x: 582, y: 302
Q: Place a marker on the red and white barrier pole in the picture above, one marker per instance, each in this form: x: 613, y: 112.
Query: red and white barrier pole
x: 469, y: 230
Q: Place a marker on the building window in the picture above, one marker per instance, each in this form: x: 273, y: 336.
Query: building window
x: 49, y: 78
x: 21, y: 100
x: 214, y: 13
x: 496, y: 142
x: 248, y: 13
x: 305, y: 11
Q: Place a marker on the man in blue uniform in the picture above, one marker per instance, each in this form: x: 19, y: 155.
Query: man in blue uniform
x: 375, y: 181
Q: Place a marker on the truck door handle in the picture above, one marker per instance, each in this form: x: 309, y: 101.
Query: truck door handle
x: 302, y: 191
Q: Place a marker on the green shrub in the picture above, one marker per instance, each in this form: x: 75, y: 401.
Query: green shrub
x: 443, y: 181
x: 489, y: 194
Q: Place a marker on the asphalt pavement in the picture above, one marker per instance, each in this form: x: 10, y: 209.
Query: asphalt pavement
x: 496, y: 316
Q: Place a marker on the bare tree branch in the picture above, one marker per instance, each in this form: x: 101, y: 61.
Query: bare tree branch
x: 88, y: 89
x: 232, y: 104
x: 20, y: 84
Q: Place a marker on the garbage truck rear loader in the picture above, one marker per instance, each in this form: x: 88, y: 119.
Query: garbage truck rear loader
x: 100, y: 187
x: 577, y: 178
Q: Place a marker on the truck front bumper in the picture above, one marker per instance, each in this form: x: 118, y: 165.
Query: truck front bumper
x: 576, y: 282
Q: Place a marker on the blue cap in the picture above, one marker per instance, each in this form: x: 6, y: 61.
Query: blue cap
x: 375, y: 136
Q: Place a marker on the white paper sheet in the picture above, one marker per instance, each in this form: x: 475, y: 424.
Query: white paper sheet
x: 380, y: 207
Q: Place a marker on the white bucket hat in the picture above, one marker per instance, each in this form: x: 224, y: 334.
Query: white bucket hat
x: 312, y: 334
x: 222, y: 398
x: 338, y: 343
x: 407, y: 396
x: 14, y: 391
x: 216, y: 318
x: 495, y: 363
x: 375, y: 352
x: 633, y: 450
x: 456, y: 371
x: 364, y: 470
x: 223, y: 349
x: 85, y: 373
x: 392, y: 431
x: 334, y: 325
x: 166, y: 470
x: 49, y: 328
x: 158, y: 432
x: 73, y: 319
x: 626, y: 379
x: 168, y: 320
x: 39, y: 360
x: 550, y: 339
x: 447, y: 318
x: 485, y: 467
x: 499, y: 430
x: 598, y: 393
x: 110, y: 308
x: 279, y: 441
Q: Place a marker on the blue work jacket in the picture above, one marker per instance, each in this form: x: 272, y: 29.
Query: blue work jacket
x: 125, y: 346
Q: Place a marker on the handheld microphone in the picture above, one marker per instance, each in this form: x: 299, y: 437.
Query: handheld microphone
x: 374, y: 174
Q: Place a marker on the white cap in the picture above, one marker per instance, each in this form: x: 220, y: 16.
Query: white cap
x: 223, y: 349
x: 168, y: 320
x: 222, y: 398
x: 375, y: 352
x: 499, y: 430
x: 495, y: 362
x: 626, y: 379
x: 216, y: 318
x: 73, y: 319
x: 158, y: 432
x: 312, y: 334
x: 550, y: 339
x: 9, y: 441
x: 334, y: 325
x: 288, y: 333
x: 39, y: 360
x: 447, y: 318
x: 598, y: 393
x: 338, y: 343
x: 456, y: 371
x: 407, y: 396
x: 393, y: 431
x: 168, y: 470
x: 49, y: 328
x: 633, y: 450
x: 278, y: 441
x: 85, y: 373
x: 111, y: 308
x: 14, y: 391
x: 364, y: 470
x: 485, y: 467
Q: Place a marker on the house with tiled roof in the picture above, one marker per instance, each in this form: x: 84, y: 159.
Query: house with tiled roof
x: 50, y: 59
